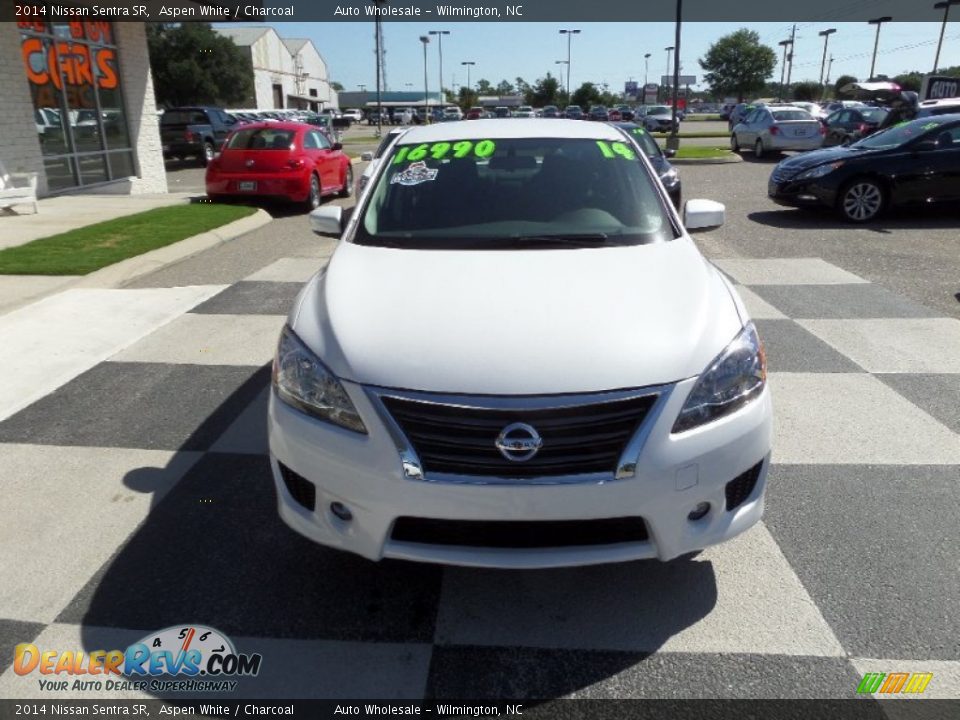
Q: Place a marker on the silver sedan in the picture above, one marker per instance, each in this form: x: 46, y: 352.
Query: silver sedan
x: 777, y: 128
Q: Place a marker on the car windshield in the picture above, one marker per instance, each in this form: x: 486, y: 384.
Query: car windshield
x: 791, y: 115
x: 514, y: 192
x: 643, y: 139
x: 183, y: 117
x: 261, y: 139
x: 899, y: 134
x: 659, y: 110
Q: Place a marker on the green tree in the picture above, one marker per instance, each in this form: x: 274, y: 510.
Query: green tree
x: 545, y: 92
x: 335, y: 86
x: 909, y: 81
x: 585, y: 95
x: 807, y: 91
x: 504, y: 88
x: 467, y: 98
x: 738, y: 64
x: 484, y: 87
x: 192, y: 65
x: 841, y: 81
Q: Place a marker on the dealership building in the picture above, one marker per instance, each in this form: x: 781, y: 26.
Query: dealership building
x: 79, y: 108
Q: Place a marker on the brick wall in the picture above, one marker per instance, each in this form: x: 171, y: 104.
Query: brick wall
x: 20, y: 149
x: 137, y: 84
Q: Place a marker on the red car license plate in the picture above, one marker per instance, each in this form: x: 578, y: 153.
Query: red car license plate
x: 247, y: 186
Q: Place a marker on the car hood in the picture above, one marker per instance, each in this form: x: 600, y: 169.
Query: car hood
x: 517, y: 321
x: 807, y: 160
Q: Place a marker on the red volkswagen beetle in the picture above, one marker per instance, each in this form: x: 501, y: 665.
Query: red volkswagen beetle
x: 284, y: 160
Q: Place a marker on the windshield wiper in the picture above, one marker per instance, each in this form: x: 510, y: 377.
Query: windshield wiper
x: 592, y: 238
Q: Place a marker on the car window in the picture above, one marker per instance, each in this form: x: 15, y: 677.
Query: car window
x: 323, y: 142
x: 183, y: 117
x: 791, y: 115
x: 873, y: 114
x: 645, y: 141
x: 261, y: 139
x: 485, y: 194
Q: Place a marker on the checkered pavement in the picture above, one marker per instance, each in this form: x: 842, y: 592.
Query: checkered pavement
x: 137, y: 495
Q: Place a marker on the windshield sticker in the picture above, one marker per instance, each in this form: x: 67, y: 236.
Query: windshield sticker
x: 639, y: 131
x: 615, y: 149
x: 930, y: 126
x: 417, y: 173
x: 440, y: 150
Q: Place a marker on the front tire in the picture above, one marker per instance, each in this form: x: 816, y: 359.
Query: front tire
x: 861, y: 200
x: 347, y: 189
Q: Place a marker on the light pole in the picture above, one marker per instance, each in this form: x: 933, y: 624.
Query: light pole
x: 945, y: 6
x: 826, y: 80
x: 440, y: 34
x: 878, y: 22
x: 825, y: 34
x: 665, y: 90
x: 469, y: 64
x: 425, y: 39
x: 569, y: 34
x: 567, y: 63
x: 783, y: 67
x: 646, y: 71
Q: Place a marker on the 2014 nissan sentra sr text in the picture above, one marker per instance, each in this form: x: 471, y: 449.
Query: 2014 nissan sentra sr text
x: 517, y: 357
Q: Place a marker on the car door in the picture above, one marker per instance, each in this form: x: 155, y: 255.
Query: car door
x: 748, y: 128
x: 835, y: 127
x: 327, y: 162
x: 929, y: 169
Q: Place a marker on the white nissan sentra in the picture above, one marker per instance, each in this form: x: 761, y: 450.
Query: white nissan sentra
x: 517, y: 357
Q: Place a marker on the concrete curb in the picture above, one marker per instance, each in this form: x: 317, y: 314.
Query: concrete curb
x: 126, y: 270
x: 733, y: 158
x: 118, y: 274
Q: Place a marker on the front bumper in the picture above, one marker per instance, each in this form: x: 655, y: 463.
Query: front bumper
x: 673, y: 474
x: 801, y: 193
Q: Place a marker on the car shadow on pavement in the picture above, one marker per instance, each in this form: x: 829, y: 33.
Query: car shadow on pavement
x: 213, y: 551
x: 824, y: 219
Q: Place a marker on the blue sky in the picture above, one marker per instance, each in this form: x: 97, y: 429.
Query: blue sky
x: 605, y: 52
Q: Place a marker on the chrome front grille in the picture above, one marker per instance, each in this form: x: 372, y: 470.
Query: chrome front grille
x: 585, y: 438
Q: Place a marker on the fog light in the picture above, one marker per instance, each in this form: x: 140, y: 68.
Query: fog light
x: 341, y: 511
x: 699, y: 511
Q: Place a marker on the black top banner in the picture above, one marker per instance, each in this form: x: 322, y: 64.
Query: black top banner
x: 864, y: 708
x: 826, y: 11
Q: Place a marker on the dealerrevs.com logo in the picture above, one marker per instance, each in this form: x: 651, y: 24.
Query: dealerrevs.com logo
x: 190, y: 658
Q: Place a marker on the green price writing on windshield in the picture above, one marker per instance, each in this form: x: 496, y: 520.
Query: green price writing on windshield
x: 614, y: 149
x: 440, y: 150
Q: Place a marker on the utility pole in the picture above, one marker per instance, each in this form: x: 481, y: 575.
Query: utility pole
x: 878, y: 22
x: 783, y: 67
x: 945, y: 6
x: 825, y: 34
x: 826, y: 80
x: 793, y: 39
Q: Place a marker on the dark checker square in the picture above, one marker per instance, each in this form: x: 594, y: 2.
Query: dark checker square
x: 831, y: 302
x: 936, y: 395
x: 791, y: 348
x: 252, y: 298
x: 499, y: 672
x: 214, y: 551
x: 154, y: 406
x: 876, y: 546
x: 14, y: 632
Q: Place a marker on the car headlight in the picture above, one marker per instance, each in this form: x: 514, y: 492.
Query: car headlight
x: 669, y: 177
x: 819, y: 171
x: 734, y: 378
x: 302, y: 381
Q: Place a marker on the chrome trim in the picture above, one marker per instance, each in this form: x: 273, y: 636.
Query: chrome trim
x: 412, y: 467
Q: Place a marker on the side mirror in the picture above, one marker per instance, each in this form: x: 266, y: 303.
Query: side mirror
x: 337, y: 146
x: 366, y: 156
x: 327, y: 220
x: 669, y: 152
x: 702, y: 214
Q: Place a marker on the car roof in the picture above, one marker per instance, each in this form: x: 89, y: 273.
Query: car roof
x: 521, y: 128
x: 279, y: 125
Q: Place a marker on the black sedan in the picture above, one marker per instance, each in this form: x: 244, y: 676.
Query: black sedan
x: 914, y: 163
x: 658, y: 158
x: 848, y: 125
x: 597, y: 112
